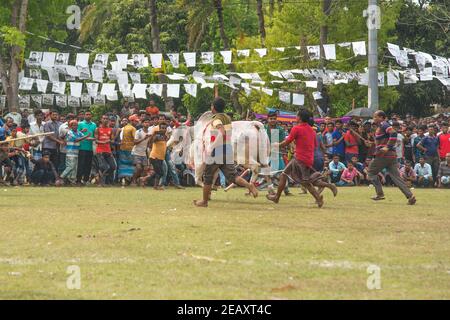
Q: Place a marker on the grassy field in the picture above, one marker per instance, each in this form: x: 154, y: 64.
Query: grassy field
x: 136, y: 243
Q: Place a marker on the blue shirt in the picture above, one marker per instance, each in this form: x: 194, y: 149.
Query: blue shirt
x: 72, y: 146
x: 431, y: 144
x: 336, y: 168
x: 339, y: 148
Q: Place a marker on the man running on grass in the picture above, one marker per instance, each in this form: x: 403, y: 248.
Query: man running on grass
x: 222, y: 154
x: 300, y: 168
x: 386, y: 157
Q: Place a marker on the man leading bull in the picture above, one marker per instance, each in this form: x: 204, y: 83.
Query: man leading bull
x: 221, y: 157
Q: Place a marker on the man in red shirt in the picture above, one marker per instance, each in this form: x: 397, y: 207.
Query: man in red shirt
x: 351, y: 142
x: 444, y: 141
x: 300, y: 168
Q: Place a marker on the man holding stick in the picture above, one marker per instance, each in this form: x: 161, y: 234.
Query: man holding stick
x: 386, y: 157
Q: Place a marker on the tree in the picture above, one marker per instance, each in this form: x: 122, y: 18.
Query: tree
x: 11, y: 57
x: 17, y: 19
x: 262, y: 28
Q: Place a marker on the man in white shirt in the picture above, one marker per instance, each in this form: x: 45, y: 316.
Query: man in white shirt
x: 37, y: 127
x: 63, y: 131
x: 139, y: 152
x: 424, y: 173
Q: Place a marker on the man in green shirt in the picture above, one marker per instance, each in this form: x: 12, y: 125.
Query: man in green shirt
x: 86, y: 153
x: 276, y: 135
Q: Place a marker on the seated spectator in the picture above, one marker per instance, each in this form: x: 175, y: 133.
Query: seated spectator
x: 349, y: 176
x: 152, y: 109
x: 408, y: 174
x: 424, y: 173
x: 444, y: 173
x: 44, y: 172
x: 358, y: 165
x: 336, y: 168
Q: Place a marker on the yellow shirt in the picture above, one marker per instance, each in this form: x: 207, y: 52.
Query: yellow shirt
x: 158, y: 148
x: 19, y: 143
x: 128, y: 133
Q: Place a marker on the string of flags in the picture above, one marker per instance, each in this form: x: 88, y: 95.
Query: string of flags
x: 191, y: 59
x: 56, y: 64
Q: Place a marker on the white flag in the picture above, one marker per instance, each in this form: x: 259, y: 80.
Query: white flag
x: 26, y: 84
x: 92, y: 89
x: 42, y: 85
x: 208, y: 57
x: 75, y: 89
x: 243, y: 53
x: 173, y: 90
x: 227, y: 56
x: 262, y: 52
x: 359, y: 48
x: 267, y: 91
x: 82, y: 60
x: 393, y: 78
x: 311, y: 84
x: 156, y: 59
x: 426, y: 74
x: 298, y: 99
x: 190, y: 59
x: 191, y: 89
x: 156, y: 88
x: 59, y: 87
x: 317, y: 95
x: 174, y: 59
x: 284, y: 96
x: 330, y: 51
x: 139, y: 91
x: 108, y: 89
x: 97, y: 75
x: 122, y: 59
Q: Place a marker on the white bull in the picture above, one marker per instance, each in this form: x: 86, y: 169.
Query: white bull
x: 250, y: 142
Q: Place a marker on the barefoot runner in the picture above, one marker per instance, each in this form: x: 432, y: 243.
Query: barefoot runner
x: 386, y: 157
x: 300, y: 168
x: 222, y: 154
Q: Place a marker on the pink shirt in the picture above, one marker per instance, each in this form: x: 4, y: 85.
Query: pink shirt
x: 349, y: 175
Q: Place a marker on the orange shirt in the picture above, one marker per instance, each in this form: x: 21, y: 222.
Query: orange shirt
x: 152, y: 110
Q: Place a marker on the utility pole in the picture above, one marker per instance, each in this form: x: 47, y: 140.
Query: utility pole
x: 373, y: 15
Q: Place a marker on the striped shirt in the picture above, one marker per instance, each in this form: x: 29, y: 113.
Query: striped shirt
x: 385, y: 136
x: 73, y: 147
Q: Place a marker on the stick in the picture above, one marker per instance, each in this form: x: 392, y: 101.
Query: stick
x: 233, y: 184
x: 28, y: 137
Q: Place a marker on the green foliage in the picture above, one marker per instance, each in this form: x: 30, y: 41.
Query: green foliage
x: 97, y: 111
x: 12, y: 36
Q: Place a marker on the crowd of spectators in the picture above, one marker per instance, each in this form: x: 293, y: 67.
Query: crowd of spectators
x: 129, y: 147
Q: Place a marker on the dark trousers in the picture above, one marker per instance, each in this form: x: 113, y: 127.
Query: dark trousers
x: 377, y: 165
x: 84, y: 165
x: 159, y: 170
x: 62, y: 162
x: 107, y: 165
x: 42, y: 177
x: 434, y: 162
x: 54, y: 158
